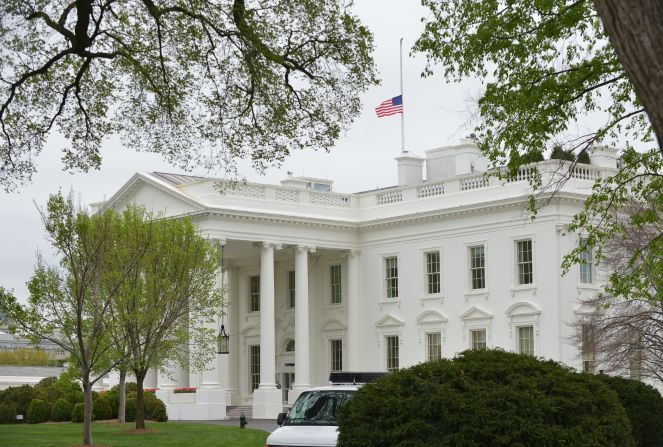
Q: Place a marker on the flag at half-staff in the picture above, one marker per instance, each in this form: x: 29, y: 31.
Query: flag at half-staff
x: 391, y: 106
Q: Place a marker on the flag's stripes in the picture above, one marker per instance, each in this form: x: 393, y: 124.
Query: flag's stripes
x: 391, y: 106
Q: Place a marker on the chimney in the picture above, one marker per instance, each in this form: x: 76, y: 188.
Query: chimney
x: 603, y: 156
x: 410, y: 169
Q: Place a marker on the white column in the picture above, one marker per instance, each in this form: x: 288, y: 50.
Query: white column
x: 353, y: 337
x: 302, y: 335
x: 267, y: 398
x: 209, y: 378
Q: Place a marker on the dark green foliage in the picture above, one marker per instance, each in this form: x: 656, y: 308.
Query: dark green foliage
x: 130, y: 410
x: 101, y: 409
x: 61, y: 410
x: 47, y: 394
x: 644, y: 407
x: 113, y: 398
x: 78, y: 412
x: 559, y: 153
x: 7, y: 413
x: 155, y: 409
x: 37, y: 412
x: 46, y: 382
x: 18, y: 397
x: 75, y: 397
x: 67, y: 383
x: 485, y: 398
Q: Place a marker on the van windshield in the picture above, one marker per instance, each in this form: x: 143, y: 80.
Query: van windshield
x: 317, y: 407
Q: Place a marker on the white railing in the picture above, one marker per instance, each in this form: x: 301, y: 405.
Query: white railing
x: 241, y: 189
x: 525, y: 173
x: 586, y: 173
x: 287, y: 195
x: 384, y: 198
x: 475, y: 182
x: 430, y: 190
x: 330, y: 199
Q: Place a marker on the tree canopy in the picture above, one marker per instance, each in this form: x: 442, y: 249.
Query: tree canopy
x: 549, y: 64
x: 202, y: 82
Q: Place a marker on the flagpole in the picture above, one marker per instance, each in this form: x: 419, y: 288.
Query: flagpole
x: 403, y: 112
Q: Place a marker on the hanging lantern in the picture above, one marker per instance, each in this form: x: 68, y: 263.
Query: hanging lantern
x: 222, y: 341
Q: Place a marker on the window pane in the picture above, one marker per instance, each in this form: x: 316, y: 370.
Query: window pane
x: 526, y: 340
x: 433, y: 272
x: 478, y: 339
x: 291, y: 288
x: 477, y: 267
x: 254, y: 294
x: 336, y: 285
x: 336, y: 351
x: 434, y: 346
x: 586, y: 262
x: 391, y: 276
x: 587, y: 347
x: 392, y: 353
x: 524, y: 261
x: 254, y: 366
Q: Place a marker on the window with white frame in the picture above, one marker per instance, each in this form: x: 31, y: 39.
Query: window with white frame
x: 391, y: 276
x: 586, y: 258
x: 291, y: 288
x: 524, y: 262
x: 254, y: 367
x: 587, y: 347
x: 335, y: 283
x: 391, y: 342
x: 432, y: 272
x: 526, y: 340
x: 433, y: 346
x: 336, y: 352
x: 477, y: 267
x: 478, y: 339
x: 254, y: 293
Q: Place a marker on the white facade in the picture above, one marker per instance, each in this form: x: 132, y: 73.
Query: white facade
x: 373, y: 238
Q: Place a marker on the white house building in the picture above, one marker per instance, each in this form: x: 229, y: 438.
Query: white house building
x: 320, y: 281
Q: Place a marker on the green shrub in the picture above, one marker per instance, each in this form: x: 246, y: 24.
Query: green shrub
x: 559, y: 153
x: 644, y: 407
x: 37, y: 411
x: 19, y: 397
x: 75, y: 397
x: 101, y: 409
x: 131, y: 394
x: 66, y: 383
x: 130, y: 410
x: 46, y: 382
x: 48, y: 395
x: 78, y: 412
x: 155, y: 409
x: 113, y: 398
x: 61, y: 410
x: 485, y: 398
x: 7, y: 413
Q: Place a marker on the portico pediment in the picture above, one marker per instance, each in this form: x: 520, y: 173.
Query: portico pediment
x: 333, y: 325
x: 389, y: 321
x: 476, y: 313
x: 431, y: 317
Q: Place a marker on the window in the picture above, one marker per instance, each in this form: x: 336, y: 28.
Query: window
x: 335, y: 281
x: 392, y: 353
x: 254, y: 367
x: 254, y: 294
x: 433, y: 272
x: 433, y: 346
x: 291, y: 288
x: 336, y: 351
x: 524, y: 262
x: 587, y: 347
x: 478, y: 339
x: 586, y: 262
x: 526, y: 340
x: 635, y: 358
x: 391, y: 276
x: 477, y: 267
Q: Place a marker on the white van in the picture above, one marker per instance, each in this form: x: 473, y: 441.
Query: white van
x: 311, y: 422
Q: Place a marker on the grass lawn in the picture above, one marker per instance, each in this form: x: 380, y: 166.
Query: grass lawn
x: 169, y: 434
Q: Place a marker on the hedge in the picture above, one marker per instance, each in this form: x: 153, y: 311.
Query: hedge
x: 485, y: 398
x: 37, y: 412
x: 644, y: 407
x: 130, y: 410
x: 61, y: 410
x: 78, y: 413
x: 155, y: 409
x: 101, y: 409
x: 7, y: 413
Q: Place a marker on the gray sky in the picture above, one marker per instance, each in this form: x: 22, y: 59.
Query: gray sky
x: 435, y: 115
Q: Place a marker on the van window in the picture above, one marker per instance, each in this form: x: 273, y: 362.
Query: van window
x: 317, y: 407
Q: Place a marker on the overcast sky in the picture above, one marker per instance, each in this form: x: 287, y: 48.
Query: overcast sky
x: 436, y: 114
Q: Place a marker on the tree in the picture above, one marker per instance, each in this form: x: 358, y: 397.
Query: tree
x: 169, y: 300
x: 623, y: 326
x: 70, y: 303
x: 200, y: 82
x: 547, y: 65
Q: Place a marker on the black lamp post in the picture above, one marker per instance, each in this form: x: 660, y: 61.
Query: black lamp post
x: 222, y: 341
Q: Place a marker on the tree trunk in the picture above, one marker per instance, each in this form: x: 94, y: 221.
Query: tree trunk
x: 635, y: 28
x: 87, y: 414
x: 121, y: 409
x: 140, y: 401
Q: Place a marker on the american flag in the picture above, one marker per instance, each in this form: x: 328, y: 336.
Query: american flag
x: 390, y: 106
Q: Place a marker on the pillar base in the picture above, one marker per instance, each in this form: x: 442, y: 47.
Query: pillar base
x: 267, y: 403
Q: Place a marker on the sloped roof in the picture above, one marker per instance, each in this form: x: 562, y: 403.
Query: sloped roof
x: 177, y: 179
